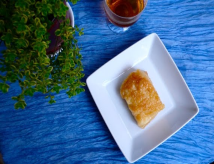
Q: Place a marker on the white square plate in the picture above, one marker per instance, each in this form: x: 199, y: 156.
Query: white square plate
x: 149, y: 54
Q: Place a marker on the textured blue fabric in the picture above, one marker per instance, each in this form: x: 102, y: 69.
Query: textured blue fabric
x: 73, y: 131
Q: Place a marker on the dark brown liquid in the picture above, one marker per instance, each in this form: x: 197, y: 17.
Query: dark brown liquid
x: 126, y: 8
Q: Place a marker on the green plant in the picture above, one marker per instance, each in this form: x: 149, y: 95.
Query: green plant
x: 24, y: 28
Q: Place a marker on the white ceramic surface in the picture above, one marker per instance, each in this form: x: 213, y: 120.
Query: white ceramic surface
x: 71, y: 14
x: 148, y: 54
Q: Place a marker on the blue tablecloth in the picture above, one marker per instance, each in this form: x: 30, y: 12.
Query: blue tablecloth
x: 73, y: 131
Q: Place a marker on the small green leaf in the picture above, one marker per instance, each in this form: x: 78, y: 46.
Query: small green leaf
x: 21, y: 28
x: 83, y: 84
x: 4, y: 87
x: 26, y: 83
x: 56, y: 88
x: 40, y: 46
x: 21, y: 43
x: 20, y: 104
x: 9, y: 55
x: 46, y: 60
x: 11, y: 76
x: 67, y: 22
x: 60, y: 57
x: 33, y: 83
x: 21, y: 51
x: 37, y: 21
x: 24, y: 19
x: 29, y: 91
x: 71, y: 93
x: 27, y: 73
x: 52, y: 101
x: 46, y: 9
x: 79, y: 90
x: 58, y: 32
x: 40, y: 32
x: 22, y: 3
x: 7, y: 38
x: 38, y: 5
x: 50, y: 68
x: 20, y: 75
x: 3, y: 78
x: 74, y: 1
x: 61, y: 10
x: 15, y: 98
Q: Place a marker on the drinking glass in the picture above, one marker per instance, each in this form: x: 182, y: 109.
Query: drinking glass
x: 122, y: 14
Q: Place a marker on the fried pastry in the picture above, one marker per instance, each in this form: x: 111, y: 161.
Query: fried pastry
x: 141, y: 97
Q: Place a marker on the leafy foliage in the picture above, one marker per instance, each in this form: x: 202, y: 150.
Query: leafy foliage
x: 24, y: 28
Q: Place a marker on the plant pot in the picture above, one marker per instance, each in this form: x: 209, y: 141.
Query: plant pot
x: 56, y: 41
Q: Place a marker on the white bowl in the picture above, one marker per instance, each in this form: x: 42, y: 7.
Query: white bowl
x: 148, y: 54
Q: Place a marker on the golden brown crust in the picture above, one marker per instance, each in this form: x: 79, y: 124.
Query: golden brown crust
x: 141, y: 97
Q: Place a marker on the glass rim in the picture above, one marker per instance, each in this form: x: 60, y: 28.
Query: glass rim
x: 127, y: 17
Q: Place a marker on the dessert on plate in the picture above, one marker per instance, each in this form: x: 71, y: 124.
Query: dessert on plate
x: 142, y: 98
